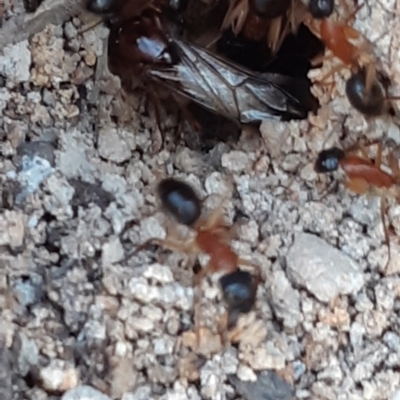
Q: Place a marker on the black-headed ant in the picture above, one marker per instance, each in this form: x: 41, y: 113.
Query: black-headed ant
x: 365, y: 89
x: 364, y: 176
x: 211, y: 237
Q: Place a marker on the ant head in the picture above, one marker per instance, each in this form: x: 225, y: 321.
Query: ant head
x: 370, y: 102
x: 179, y: 199
x: 328, y: 160
x: 101, y: 6
x: 271, y: 9
x: 320, y: 9
x: 239, y: 290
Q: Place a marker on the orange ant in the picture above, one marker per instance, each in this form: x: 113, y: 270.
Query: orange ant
x: 364, y: 176
x: 365, y: 89
x: 212, y: 237
x: 337, y: 38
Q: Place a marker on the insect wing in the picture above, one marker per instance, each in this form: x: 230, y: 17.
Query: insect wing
x: 225, y: 88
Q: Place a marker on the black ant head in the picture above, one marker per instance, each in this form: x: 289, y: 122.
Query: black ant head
x: 179, y: 199
x: 239, y: 290
x: 271, y: 9
x: 370, y: 102
x: 320, y: 9
x: 328, y: 160
x: 101, y: 7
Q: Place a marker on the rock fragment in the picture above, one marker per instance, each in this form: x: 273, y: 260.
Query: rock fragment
x: 86, y: 193
x: 27, y: 353
x: 6, y: 389
x: 12, y: 229
x: 115, y: 144
x: 59, y: 378
x: 34, y: 170
x: 286, y: 300
x: 84, y: 392
x: 323, y: 270
x: 15, y: 63
x: 267, y: 387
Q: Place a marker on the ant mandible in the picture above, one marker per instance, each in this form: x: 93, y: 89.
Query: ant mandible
x: 211, y: 237
x: 364, y: 176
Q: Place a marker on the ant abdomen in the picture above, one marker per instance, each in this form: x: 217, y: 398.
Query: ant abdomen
x: 329, y: 160
x: 320, y: 9
x: 180, y: 200
x: 239, y: 290
x: 369, y: 102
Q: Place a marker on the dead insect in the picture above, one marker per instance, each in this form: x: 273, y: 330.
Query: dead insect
x: 364, y: 176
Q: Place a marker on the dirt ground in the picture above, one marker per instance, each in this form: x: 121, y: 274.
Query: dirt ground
x: 78, y: 173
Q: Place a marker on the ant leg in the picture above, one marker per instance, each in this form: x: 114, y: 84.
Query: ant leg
x: 156, y: 108
x: 236, y: 15
x: 358, y: 186
x: 385, y: 230
x: 333, y: 186
x: 202, y: 274
x: 215, y: 219
x: 298, y: 13
x: 222, y: 326
x: 378, y: 158
x: 188, y: 246
x: 350, y: 32
x: 348, y: 19
x: 362, y: 149
x: 369, y: 77
x: 321, y: 58
x: 255, y: 267
x: 92, y: 26
x: 275, y: 34
x: 394, y: 166
x: 333, y: 71
x: 357, y: 148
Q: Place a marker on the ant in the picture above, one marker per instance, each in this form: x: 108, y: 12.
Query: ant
x: 364, y: 176
x: 337, y: 36
x: 212, y: 237
x: 365, y: 89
